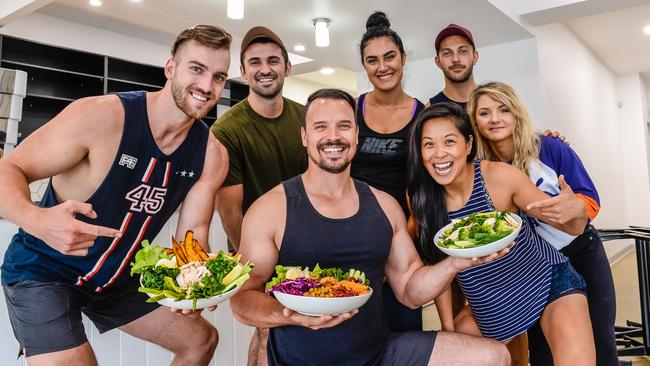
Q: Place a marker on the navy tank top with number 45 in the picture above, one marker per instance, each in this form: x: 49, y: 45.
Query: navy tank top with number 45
x: 141, y: 191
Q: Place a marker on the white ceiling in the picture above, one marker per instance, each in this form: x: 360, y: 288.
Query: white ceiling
x: 416, y: 21
x: 612, y: 29
x: 617, y: 38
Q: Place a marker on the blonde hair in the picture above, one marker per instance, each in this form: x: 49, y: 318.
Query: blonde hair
x: 525, y: 139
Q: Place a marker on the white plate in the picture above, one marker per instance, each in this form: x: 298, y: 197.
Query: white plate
x: 317, y: 306
x: 200, y: 303
x: 481, y: 251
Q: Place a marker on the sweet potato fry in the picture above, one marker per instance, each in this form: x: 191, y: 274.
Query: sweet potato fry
x: 199, y: 250
x: 181, y: 258
x: 188, y: 237
x: 189, y: 251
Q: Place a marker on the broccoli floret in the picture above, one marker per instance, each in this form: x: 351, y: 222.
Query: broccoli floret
x: 487, y: 228
x: 154, y: 277
x: 220, y: 266
x: 501, y: 225
x: 463, y: 234
x: 475, y: 229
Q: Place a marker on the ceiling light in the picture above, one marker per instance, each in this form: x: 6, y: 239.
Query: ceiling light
x: 322, y: 32
x: 646, y: 29
x: 299, y: 48
x: 95, y: 2
x: 235, y: 9
x: 327, y: 71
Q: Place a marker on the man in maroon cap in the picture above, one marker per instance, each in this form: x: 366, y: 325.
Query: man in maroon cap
x: 456, y: 56
x: 262, y: 136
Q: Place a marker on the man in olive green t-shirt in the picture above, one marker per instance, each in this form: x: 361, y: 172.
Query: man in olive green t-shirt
x: 262, y: 136
x: 261, y: 133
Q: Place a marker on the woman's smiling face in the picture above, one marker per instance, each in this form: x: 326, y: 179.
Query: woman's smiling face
x: 444, y: 150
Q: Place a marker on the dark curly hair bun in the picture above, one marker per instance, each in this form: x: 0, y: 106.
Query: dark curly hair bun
x: 377, y: 19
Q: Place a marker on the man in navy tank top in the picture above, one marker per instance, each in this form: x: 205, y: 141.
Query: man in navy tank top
x: 456, y: 56
x: 324, y: 216
x: 120, y: 165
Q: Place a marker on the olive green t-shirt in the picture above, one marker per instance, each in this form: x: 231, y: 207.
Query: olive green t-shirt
x: 262, y: 151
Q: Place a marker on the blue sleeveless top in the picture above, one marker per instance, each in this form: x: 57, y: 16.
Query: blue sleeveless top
x: 507, y: 296
x: 142, y: 189
x: 361, y: 241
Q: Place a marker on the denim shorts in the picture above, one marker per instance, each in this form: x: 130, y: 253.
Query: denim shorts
x: 565, y: 281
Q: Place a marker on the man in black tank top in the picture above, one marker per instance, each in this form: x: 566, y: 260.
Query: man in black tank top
x: 324, y: 216
x: 92, y: 150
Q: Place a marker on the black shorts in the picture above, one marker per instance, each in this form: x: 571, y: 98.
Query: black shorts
x: 46, y: 317
x: 412, y: 348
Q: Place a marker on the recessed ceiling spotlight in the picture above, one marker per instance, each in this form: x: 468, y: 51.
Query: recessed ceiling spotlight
x: 95, y: 2
x: 327, y: 71
x: 235, y: 9
x: 299, y: 48
x: 646, y: 29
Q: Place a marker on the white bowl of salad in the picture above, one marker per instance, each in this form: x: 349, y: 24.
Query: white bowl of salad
x: 478, y: 234
x: 186, y: 278
x: 328, y: 291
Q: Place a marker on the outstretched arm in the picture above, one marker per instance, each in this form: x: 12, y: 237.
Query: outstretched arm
x: 413, y: 283
x: 511, y: 189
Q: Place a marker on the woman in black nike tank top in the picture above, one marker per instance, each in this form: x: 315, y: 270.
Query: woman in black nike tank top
x: 385, y: 116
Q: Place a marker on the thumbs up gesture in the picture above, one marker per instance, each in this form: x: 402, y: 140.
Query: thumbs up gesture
x: 562, y: 208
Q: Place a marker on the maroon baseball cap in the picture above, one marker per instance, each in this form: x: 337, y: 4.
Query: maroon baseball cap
x: 454, y: 30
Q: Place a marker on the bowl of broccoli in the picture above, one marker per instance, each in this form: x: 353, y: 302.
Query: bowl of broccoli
x: 478, y: 234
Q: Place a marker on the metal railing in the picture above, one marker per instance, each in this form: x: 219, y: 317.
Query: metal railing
x: 633, y: 339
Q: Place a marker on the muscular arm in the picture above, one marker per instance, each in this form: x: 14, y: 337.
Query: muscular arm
x: 262, y: 228
x: 517, y: 191
x: 250, y: 305
x: 413, y: 283
x: 196, y: 211
x: 229, y: 202
x: 49, y: 151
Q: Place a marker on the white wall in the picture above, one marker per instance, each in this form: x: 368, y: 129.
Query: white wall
x: 514, y: 63
x: 632, y: 115
x: 298, y: 89
x: 580, y: 100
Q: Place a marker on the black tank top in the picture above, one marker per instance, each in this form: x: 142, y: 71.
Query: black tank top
x: 381, y: 157
x: 361, y: 241
x: 442, y: 98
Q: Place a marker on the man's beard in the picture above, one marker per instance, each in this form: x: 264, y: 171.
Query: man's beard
x: 265, y: 92
x: 178, y: 92
x: 337, y: 167
x: 463, y: 78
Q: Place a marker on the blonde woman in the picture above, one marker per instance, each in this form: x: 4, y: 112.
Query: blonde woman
x: 504, y: 133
